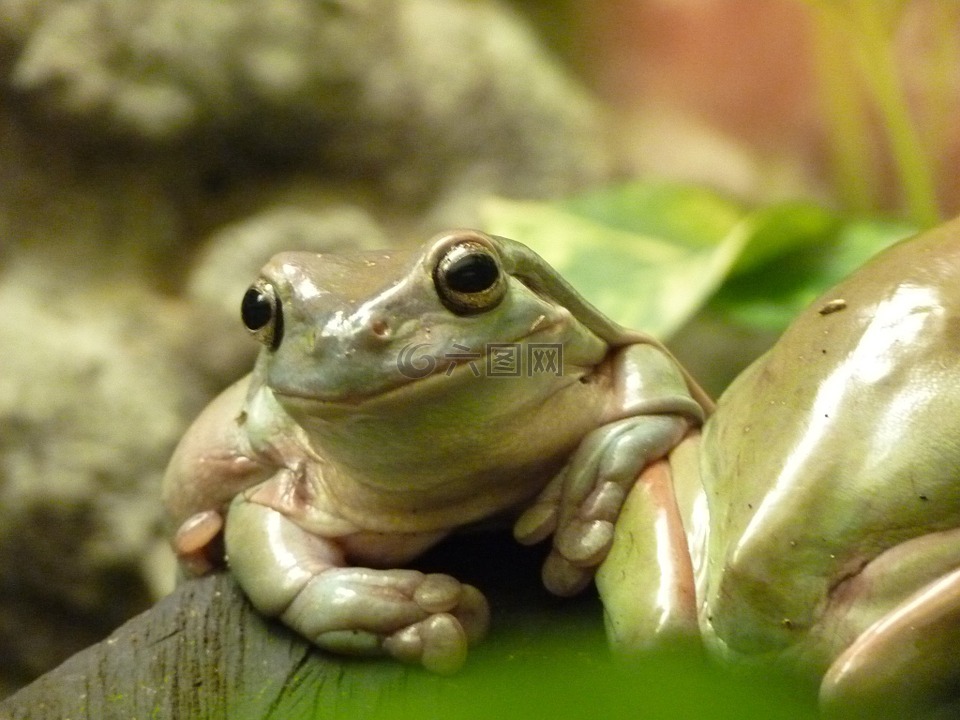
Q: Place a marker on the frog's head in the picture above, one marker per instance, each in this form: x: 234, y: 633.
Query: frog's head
x: 346, y: 328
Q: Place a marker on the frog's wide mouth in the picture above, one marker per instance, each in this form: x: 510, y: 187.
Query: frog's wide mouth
x: 355, y: 398
x: 459, y: 367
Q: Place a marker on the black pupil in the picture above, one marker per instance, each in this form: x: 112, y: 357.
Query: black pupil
x: 472, y: 273
x: 256, y: 309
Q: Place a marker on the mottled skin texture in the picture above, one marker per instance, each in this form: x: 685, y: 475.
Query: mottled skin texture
x: 817, y: 522
x: 327, y: 469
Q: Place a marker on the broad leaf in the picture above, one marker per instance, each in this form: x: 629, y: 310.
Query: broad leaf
x: 649, y: 260
x: 650, y: 255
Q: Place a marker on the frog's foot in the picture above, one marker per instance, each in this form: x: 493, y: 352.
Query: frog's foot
x: 198, y: 542
x: 300, y: 578
x: 580, y: 506
x: 416, y: 618
x: 905, y: 664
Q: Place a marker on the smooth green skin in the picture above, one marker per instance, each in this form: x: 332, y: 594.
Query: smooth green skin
x: 816, y: 523
x: 333, y: 468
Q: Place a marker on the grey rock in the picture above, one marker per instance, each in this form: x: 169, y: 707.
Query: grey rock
x: 415, y: 92
x: 92, y: 402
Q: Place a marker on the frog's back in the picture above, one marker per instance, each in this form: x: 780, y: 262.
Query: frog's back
x: 839, y: 443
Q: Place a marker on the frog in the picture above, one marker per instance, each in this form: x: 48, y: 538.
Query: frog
x: 813, y: 523
x: 399, y: 397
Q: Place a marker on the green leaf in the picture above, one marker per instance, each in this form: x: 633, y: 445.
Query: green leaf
x: 682, y: 214
x: 778, y: 230
x: 563, y: 672
x: 769, y: 295
x: 647, y: 256
x: 650, y: 255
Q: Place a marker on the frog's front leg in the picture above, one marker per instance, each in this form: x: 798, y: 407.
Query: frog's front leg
x: 302, y: 578
x: 654, y: 411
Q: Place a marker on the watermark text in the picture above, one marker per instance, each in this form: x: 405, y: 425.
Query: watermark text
x: 496, y: 360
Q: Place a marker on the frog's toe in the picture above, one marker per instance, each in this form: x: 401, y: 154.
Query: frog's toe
x: 585, y: 543
x: 350, y: 642
x: 295, y: 575
x: 460, y: 617
x: 586, y: 534
x: 605, y: 502
x: 473, y: 613
x: 439, y: 643
x: 563, y: 578
x: 535, y: 524
x: 426, y: 619
x: 438, y: 593
x: 198, y: 542
x: 539, y: 521
x: 442, y: 594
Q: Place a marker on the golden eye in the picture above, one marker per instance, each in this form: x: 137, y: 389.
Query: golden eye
x: 469, y: 279
x: 262, y: 314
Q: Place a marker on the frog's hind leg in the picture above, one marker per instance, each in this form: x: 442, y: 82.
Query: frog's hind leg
x: 302, y: 578
x: 907, y: 663
x: 647, y: 581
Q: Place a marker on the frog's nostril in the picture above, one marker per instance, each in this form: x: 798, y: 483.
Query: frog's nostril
x: 380, y: 328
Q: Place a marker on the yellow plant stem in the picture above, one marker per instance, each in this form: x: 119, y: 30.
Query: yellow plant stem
x: 854, y: 165
x: 879, y: 64
x: 945, y: 59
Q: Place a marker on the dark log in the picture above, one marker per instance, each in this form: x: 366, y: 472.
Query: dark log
x: 191, y: 656
x: 203, y: 653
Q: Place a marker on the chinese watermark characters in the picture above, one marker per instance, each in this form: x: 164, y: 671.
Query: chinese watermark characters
x: 496, y: 360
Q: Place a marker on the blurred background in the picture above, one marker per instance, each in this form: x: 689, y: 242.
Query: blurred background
x: 153, y: 154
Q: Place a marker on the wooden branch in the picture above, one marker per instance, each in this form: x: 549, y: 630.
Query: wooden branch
x: 187, y: 657
x: 203, y: 653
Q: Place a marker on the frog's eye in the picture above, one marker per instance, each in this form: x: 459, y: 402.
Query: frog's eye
x: 262, y: 314
x: 469, y: 279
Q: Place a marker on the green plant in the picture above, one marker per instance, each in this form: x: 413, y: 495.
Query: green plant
x: 860, y: 75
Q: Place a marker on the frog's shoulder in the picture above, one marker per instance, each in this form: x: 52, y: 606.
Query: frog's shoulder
x: 916, y: 280
x: 820, y: 418
x: 892, y: 326
x: 213, y: 461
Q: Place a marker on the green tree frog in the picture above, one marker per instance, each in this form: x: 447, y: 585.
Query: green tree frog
x: 398, y: 397
x: 815, y: 522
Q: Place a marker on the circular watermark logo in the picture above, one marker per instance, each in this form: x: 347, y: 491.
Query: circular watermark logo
x: 413, y: 364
